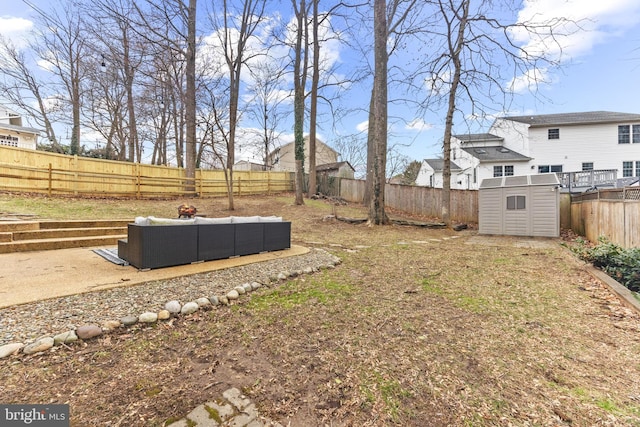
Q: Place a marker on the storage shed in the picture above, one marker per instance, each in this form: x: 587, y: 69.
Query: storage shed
x: 525, y: 205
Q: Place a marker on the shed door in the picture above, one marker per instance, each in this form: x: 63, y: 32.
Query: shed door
x: 516, y: 212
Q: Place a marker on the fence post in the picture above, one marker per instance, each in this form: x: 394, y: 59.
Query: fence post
x: 75, y: 174
x: 138, y: 183
x: 50, y: 179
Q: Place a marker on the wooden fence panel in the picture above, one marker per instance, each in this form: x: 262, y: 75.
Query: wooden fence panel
x: 36, y: 171
x: 418, y: 200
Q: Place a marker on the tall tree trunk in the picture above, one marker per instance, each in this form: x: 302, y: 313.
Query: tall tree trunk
x: 377, y: 214
x: 455, y: 50
x: 190, y: 107
x: 128, y: 81
x: 314, y: 102
x: 298, y: 102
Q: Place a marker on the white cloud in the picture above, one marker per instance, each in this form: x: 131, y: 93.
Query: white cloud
x: 599, y: 21
x: 363, y: 126
x: 529, y: 81
x: 418, y: 125
x: 10, y: 25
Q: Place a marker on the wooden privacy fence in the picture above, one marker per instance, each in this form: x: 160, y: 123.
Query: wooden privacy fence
x: 41, y: 172
x: 418, y: 200
x: 614, y: 213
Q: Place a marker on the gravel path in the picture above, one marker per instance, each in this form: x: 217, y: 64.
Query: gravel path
x: 25, y: 323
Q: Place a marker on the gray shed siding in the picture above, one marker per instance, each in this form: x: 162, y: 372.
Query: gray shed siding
x: 538, y: 212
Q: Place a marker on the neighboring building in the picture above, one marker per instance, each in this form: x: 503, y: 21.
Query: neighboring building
x: 245, y: 165
x: 569, y: 142
x: 430, y: 175
x: 13, y: 134
x: 339, y: 169
x: 283, y: 158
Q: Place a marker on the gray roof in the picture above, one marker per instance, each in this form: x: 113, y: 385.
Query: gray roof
x: 589, y: 117
x: 19, y: 128
x: 521, y: 181
x: 478, y: 137
x: 333, y: 166
x: 438, y: 165
x: 496, y: 153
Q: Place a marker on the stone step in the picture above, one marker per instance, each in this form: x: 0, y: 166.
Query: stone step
x: 11, y: 226
x: 59, y: 233
x: 60, y: 243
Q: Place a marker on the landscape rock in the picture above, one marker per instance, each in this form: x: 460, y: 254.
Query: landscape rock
x: 86, y: 332
x: 164, y: 314
x: 41, y: 344
x: 256, y: 285
x: 190, y: 307
x: 233, y: 294
x: 9, y: 349
x: 247, y: 287
x: 65, y: 338
x: 173, y: 307
x: 214, y: 300
x: 110, y: 325
x: 224, y: 300
x: 240, y: 289
x: 148, y: 317
x: 129, y: 320
x: 203, y: 302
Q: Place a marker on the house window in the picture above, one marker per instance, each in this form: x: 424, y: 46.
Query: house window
x: 549, y: 168
x: 430, y: 180
x: 8, y: 140
x: 628, y: 168
x: 503, y: 171
x: 554, y: 134
x: 475, y: 175
x: 623, y: 134
x: 587, y: 166
x: 635, y: 134
x: 516, y: 203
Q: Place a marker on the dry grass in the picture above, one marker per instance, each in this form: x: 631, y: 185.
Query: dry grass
x: 414, y: 328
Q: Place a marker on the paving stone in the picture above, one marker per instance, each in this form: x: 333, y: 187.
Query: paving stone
x: 225, y: 411
x: 236, y: 398
x: 202, y: 417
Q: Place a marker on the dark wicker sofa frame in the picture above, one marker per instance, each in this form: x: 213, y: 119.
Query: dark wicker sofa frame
x: 156, y: 246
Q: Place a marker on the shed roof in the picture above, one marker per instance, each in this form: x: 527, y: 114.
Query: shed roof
x: 521, y: 181
x: 496, y: 153
x: 588, y: 117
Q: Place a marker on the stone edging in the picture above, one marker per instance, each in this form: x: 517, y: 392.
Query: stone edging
x: 171, y: 309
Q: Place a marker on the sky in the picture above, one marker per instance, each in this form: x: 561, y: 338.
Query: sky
x: 600, y: 71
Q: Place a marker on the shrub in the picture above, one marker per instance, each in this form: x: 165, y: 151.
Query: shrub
x: 619, y: 263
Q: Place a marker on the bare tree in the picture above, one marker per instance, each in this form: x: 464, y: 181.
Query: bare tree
x: 265, y: 105
x: 235, y: 28
x: 62, y: 45
x: 471, y: 51
x: 389, y: 29
x: 301, y: 60
x: 22, y: 87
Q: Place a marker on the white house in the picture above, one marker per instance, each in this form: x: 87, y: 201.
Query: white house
x: 568, y: 142
x: 13, y: 134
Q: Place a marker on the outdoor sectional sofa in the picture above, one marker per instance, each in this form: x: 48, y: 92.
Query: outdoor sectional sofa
x: 160, y: 242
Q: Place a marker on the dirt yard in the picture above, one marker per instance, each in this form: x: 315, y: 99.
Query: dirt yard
x: 416, y: 327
